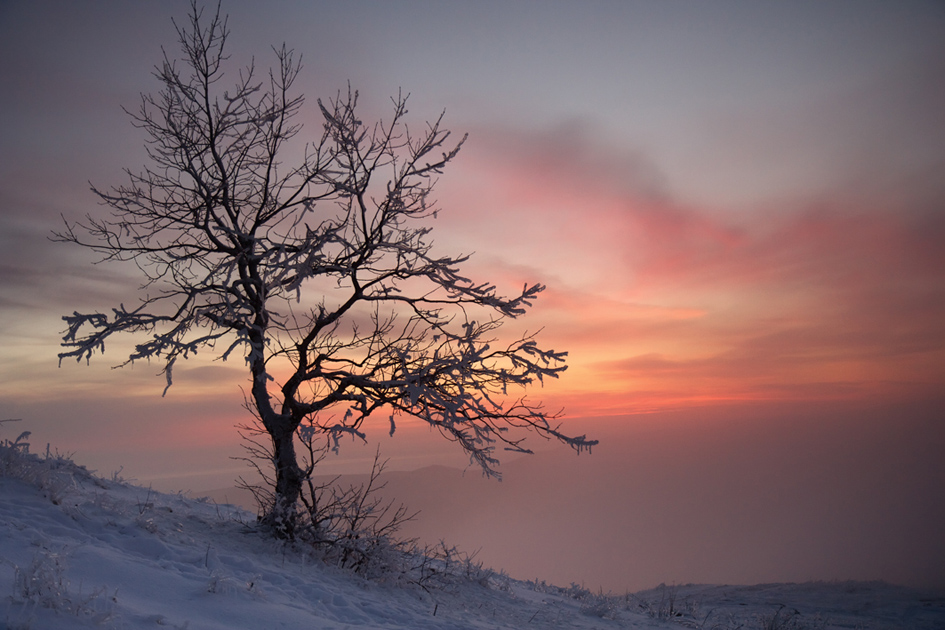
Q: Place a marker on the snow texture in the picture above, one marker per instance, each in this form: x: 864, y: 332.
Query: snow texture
x: 79, y: 551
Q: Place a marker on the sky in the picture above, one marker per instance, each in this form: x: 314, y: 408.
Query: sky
x: 734, y: 206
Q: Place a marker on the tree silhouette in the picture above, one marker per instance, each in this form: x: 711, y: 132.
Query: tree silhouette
x: 229, y: 238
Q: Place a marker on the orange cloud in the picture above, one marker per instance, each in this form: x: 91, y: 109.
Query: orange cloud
x: 660, y: 304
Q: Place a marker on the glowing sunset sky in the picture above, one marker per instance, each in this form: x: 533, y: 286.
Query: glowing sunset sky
x: 730, y: 202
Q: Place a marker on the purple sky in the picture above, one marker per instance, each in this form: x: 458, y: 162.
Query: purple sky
x: 735, y: 205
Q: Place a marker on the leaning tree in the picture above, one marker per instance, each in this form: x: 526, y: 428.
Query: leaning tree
x: 320, y: 273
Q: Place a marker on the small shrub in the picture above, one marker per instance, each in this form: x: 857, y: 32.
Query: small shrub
x: 43, y: 584
x: 15, y: 458
x: 785, y: 618
x: 598, y: 605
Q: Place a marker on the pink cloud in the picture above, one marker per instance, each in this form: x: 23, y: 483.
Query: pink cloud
x: 660, y: 301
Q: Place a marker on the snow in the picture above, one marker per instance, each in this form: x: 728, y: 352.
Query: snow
x: 79, y: 551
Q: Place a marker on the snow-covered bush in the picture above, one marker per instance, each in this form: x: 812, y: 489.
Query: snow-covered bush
x: 53, y: 473
x: 788, y: 618
x: 15, y: 458
x: 598, y: 605
x: 43, y: 584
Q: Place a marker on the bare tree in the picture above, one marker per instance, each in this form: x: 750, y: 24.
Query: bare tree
x: 229, y: 238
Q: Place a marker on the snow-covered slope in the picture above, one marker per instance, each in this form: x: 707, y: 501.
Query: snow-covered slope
x: 78, y: 551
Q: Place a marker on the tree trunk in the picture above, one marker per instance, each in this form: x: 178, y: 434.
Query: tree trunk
x: 283, y: 515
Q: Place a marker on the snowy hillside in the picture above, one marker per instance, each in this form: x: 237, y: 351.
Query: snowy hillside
x: 78, y: 551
